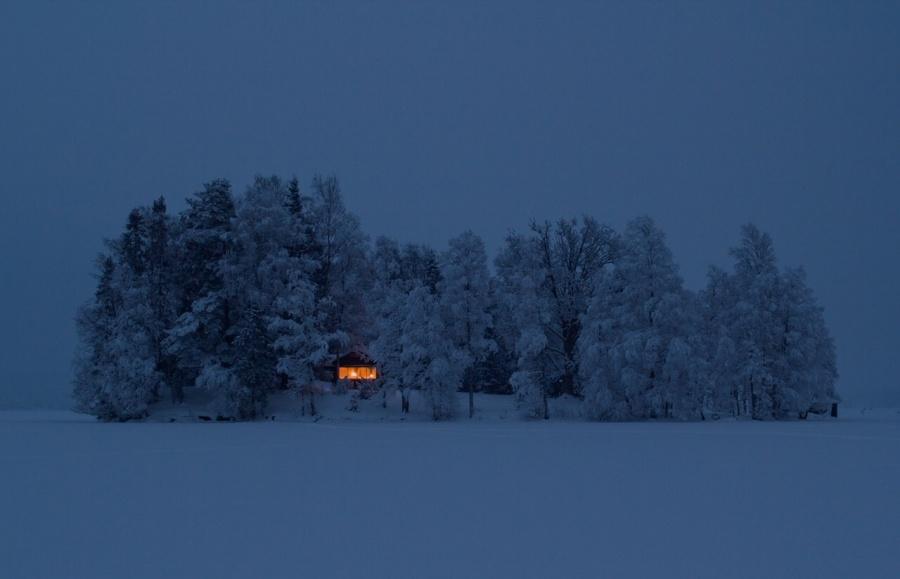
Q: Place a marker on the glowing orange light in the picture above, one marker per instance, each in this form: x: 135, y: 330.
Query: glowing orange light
x: 357, y: 373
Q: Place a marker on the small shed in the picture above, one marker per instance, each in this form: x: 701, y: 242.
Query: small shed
x: 356, y: 366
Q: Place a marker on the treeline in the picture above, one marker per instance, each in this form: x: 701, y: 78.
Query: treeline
x: 244, y: 295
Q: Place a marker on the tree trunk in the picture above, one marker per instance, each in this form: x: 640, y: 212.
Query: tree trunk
x: 177, y: 393
x: 471, y: 399
x: 570, y: 331
x: 753, y: 402
x: 546, y: 407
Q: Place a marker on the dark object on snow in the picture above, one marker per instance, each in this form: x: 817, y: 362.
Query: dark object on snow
x: 404, y: 402
x: 821, y: 408
x: 221, y: 418
x: 204, y: 418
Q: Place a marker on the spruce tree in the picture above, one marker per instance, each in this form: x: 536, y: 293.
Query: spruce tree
x: 202, y: 332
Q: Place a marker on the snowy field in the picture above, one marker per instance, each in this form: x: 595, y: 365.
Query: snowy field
x: 491, y: 499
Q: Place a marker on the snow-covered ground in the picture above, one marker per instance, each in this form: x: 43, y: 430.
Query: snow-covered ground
x: 497, y: 498
x: 345, y: 407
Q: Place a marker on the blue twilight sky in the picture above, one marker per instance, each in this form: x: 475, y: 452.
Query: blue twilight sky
x: 444, y: 116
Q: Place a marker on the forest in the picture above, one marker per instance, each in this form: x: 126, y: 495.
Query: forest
x: 243, y: 295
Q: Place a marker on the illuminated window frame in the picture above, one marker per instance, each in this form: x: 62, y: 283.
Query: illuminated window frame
x: 357, y: 373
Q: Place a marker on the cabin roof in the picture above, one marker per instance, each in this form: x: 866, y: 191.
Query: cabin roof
x: 355, y: 359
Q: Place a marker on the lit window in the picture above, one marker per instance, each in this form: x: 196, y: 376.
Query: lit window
x: 357, y: 373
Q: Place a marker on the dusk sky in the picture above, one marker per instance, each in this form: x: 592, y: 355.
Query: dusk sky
x: 443, y: 117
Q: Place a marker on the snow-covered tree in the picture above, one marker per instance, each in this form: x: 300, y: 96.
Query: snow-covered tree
x: 297, y: 327
x: 162, y: 294
x: 95, y: 323
x: 523, y: 317
x: 257, y: 318
x: 422, y: 266
x: 529, y: 381
x: 268, y: 282
x: 204, y: 236
x: 428, y: 357
x: 716, y: 307
x: 342, y: 278
x: 253, y: 275
x: 545, y: 282
x: 771, y: 354
x: 388, y: 346
x: 414, y: 346
x: 550, y: 273
x: 201, y: 334
x: 116, y: 376
x: 809, y: 349
x: 637, y: 349
x: 391, y: 284
x: 254, y: 364
x: 465, y: 300
x: 756, y: 329
x: 135, y: 242
x: 119, y: 367
x: 570, y: 255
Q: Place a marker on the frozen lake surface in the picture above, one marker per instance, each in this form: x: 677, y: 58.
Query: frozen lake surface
x: 491, y: 499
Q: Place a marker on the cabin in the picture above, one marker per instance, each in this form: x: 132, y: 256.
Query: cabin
x: 356, y: 367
